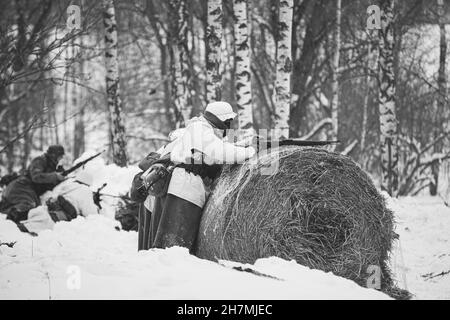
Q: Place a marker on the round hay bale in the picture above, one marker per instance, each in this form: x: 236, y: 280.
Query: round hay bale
x: 319, y: 208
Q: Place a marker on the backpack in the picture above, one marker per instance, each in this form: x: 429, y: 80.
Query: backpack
x: 157, y: 177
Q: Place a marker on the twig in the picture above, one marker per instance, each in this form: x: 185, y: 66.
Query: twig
x: 8, y: 244
x: 29, y: 127
x: 429, y: 276
x: 319, y: 126
x: 350, y: 147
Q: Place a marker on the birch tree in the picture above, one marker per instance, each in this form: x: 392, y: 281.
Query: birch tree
x: 213, y: 45
x: 242, y: 61
x: 282, y: 92
x: 335, y: 74
x: 117, y: 134
x: 386, y: 100
x: 181, y: 71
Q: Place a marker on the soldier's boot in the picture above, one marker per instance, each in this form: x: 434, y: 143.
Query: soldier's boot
x: 67, y: 207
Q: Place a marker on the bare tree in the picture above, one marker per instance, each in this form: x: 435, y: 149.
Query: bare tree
x: 78, y: 105
x: 370, y: 69
x: 117, y: 134
x: 441, y: 111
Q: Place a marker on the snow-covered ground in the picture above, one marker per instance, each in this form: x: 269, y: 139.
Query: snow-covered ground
x: 423, y: 224
x: 90, y: 258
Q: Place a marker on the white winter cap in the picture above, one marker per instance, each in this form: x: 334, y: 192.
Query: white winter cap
x: 84, y: 177
x: 221, y: 110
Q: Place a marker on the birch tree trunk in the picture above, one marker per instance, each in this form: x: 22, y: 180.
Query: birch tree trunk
x: 242, y: 66
x: 118, y: 143
x: 181, y: 76
x: 386, y: 97
x: 213, y: 56
x: 441, y: 111
x: 282, y: 92
x: 335, y: 74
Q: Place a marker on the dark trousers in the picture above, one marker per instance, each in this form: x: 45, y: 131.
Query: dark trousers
x: 175, y: 222
x: 148, y: 223
x: 145, y: 215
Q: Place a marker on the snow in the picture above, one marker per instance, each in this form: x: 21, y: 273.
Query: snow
x: 91, y: 258
x: 118, y: 181
x: 423, y: 224
x: 111, y: 268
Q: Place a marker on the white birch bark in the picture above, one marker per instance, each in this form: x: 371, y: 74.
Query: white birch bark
x: 386, y: 97
x: 213, y: 55
x: 282, y: 92
x: 242, y: 63
x: 335, y: 74
x: 118, y: 143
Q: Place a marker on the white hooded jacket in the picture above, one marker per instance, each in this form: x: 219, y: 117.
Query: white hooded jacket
x: 199, y: 135
x: 80, y: 196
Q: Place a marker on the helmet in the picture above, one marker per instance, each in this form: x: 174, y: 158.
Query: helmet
x: 84, y: 177
x: 56, y: 150
x: 221, y: 109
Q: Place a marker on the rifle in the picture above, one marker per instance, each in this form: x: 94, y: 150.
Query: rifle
x: 293, y: 142
x: 80, y: 164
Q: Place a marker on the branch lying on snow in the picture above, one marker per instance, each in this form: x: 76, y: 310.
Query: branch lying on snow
x: 247, y: 269
x: 8, y: 244
x: 350, y: 148
x: 317, y: 128
x: 429, y: 276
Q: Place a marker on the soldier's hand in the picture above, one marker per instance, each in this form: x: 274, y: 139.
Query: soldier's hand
x: 247, y: 141
x: 60, y: 177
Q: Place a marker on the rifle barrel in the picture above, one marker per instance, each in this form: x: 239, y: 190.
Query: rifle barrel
x: 80, y: 164
x: 294, y: 142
